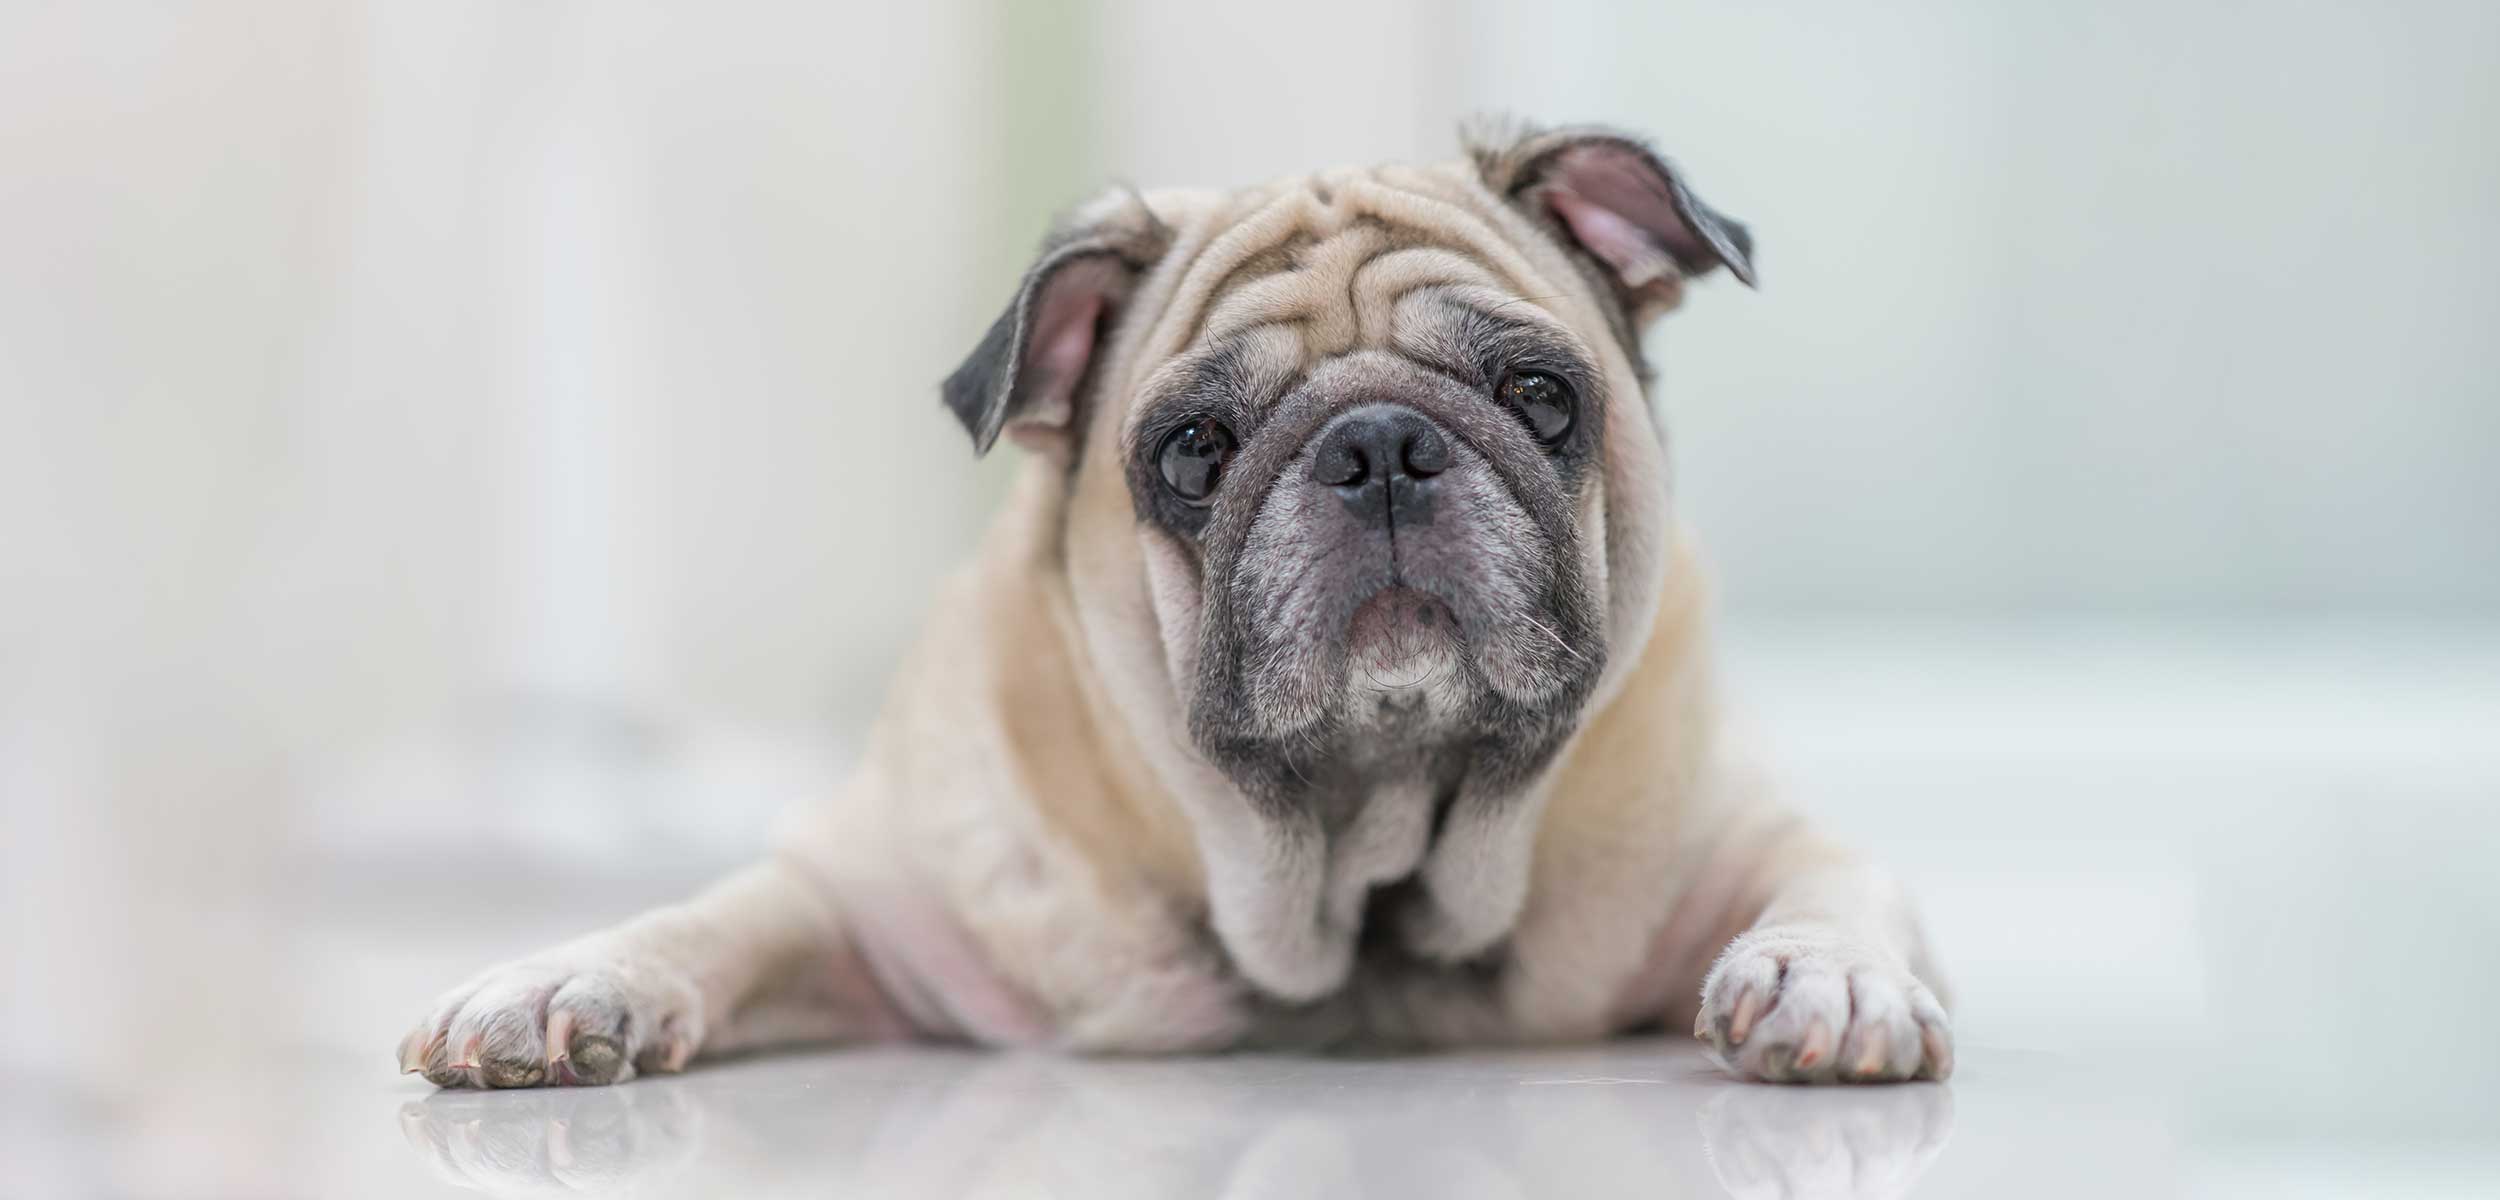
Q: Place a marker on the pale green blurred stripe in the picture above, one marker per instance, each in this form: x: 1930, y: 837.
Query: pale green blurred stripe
x: 1042, y: 152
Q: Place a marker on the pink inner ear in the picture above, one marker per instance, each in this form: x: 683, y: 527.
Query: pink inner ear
x: 1636, y: 257
x: 1065, y: 319
x: 1624, y: 212
x: 1060, y: 350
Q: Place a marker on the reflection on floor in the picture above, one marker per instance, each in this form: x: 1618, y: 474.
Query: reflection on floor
x: 937, y: 1123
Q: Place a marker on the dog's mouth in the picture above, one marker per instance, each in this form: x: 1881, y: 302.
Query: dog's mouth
x: 1402, y: 638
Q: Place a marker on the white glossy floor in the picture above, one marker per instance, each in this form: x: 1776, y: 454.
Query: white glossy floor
x: 2218, y: 909
x: 1643, y: 1118
x: 1647, y: 1118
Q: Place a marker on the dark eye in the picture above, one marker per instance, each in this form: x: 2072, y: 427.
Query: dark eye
x: 1193, y: 456
x: 1544, y: 401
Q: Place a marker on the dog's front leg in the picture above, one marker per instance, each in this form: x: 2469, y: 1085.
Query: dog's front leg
x: 1832, y: 982
x: 760, y: 957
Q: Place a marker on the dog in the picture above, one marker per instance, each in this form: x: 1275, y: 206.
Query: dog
x: 1336, y: 673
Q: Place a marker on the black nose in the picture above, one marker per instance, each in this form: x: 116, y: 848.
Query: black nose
x: 1381, y: 459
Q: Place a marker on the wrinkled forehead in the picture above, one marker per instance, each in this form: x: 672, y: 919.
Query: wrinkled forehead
x: 1275, y: 282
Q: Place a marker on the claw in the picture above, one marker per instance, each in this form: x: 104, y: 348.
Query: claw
x: 559, y: 1037
x: 1818, y: 1042
x: 1939, y: 1049
x: 469, y: 1052
x: 1748, y: 1008
x: 1871, y: 1059
x: 413, y: 1051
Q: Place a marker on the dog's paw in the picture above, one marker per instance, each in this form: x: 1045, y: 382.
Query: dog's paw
x: 1798, y: 1006
x: 564, y: 1019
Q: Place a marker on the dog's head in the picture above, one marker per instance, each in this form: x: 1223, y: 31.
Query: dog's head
x: 1353, y: 475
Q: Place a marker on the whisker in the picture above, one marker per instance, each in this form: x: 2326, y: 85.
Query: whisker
x: 1559, y: 644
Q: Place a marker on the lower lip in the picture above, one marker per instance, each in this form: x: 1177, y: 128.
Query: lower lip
x: 1399, y: 613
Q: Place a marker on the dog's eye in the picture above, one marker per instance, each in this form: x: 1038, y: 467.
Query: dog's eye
x: 1193, y: 458
x: 1544, y: 401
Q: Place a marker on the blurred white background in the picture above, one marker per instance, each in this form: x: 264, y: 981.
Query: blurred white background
x: 457, y: 439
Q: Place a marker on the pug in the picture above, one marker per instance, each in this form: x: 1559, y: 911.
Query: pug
x: 1336, y: 673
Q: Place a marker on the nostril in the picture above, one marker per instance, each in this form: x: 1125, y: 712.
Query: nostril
x: 1340, y: 465
x: 1424, y: 454
x: 1377, y: 444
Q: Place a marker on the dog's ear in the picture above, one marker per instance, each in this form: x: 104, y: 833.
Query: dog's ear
x: 1615, y: 198
x: 1026, y: 375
